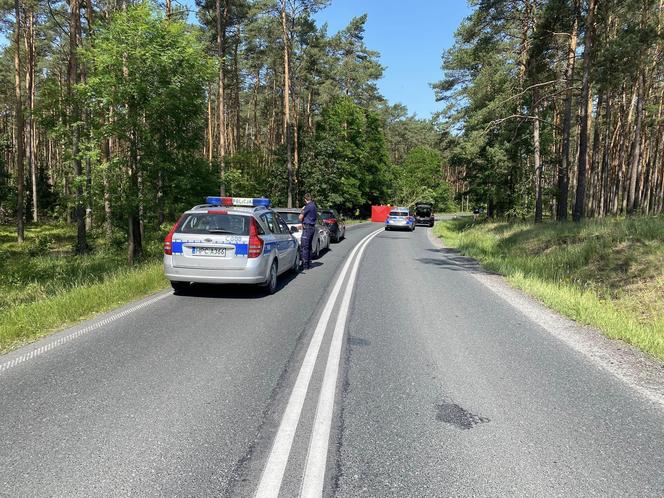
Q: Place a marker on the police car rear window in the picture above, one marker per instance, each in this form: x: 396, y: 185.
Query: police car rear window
x: 208, y: 223
x: 292, y: 218
x: 398, y: 213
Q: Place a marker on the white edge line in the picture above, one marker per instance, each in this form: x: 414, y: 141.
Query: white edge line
x: 275, y: 467
x: 73, y: 335
x: 314, y: 474
x: 570, y: 333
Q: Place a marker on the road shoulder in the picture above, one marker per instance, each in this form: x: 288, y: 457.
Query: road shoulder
x: 86, y: 326
x: 640, y: 371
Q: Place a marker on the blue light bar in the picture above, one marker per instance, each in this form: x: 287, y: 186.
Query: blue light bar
x: 238, y: 201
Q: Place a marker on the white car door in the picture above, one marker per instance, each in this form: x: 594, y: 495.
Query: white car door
x: 290, y: 244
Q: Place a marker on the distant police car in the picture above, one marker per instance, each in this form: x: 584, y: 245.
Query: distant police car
x: 400, y: 219
x: 230, y: 240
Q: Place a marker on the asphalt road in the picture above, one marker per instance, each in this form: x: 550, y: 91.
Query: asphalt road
x: 435, y: 387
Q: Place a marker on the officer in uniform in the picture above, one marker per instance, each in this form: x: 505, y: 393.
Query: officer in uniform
x: 308, y: 217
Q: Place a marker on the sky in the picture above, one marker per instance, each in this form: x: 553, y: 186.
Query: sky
x: 410, y: 36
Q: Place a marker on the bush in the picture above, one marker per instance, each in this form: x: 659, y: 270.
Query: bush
x: 41, y: 246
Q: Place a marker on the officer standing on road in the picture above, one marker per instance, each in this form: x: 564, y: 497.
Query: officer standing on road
x: 308, y: 217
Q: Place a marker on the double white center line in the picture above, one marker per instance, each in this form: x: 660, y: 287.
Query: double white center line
x: 314, y: 475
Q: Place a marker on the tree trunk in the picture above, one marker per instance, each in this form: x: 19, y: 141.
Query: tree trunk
x: 135, y: 247
x: 30, y: 93
x: 594, y: 158
x: 236, y: 70
x: 257, y: 140
x: 579, y: 204
x: 108, y: 214
x: 537, y: 159
x: 632, y: 198
x: 160, y: 198
x: 606, y: 160
x: 287, y: 123
x: 19, y: 128
x: 87, y: 119
x: 210, y: 129
x: 524, y: 43
x: 563, y: 170
x: 296, y: 151
x: 221, y: 48
x: 655, y: 196
x: 74, y: 118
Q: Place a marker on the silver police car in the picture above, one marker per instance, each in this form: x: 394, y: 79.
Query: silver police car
x: 322, y: 236
x: 400, y: 219
x: 230, y: 240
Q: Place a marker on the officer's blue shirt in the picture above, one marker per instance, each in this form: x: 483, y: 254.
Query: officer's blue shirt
x: 309, y: 213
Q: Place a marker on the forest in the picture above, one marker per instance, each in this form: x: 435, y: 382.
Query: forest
x: 115, y: 116
x: 555, y: 107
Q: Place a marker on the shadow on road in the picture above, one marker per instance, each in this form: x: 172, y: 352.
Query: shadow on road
x: 236, y: 291
x: 452, y: 260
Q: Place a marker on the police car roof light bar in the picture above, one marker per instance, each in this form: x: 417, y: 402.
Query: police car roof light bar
x: 238, y: 201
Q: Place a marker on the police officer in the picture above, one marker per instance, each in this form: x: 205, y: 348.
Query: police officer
x: 308, y: 217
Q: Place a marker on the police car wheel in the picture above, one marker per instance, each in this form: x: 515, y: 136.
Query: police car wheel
x: 297, y: 264
x: 271, y: 284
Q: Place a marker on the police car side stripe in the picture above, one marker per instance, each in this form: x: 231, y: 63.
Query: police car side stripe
x: 176, y: 247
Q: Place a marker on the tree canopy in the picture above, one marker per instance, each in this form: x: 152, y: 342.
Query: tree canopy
x: 118, y: 115
x: 132, y: 114
x: 556, y: 105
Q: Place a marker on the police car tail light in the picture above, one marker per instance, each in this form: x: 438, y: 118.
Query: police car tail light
x: 168, y: 241
x: 255, y: 242
x: 330, y: 221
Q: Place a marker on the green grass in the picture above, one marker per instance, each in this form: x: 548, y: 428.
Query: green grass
x: 355, y: 221
x: 606, y: 273
x: 44, y: 286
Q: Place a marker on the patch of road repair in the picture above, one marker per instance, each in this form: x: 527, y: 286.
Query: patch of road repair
x: 640, y: 371
x: 453, y: 414
x: 49, y: 343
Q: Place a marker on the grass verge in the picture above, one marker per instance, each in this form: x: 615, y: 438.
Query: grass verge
x: 605, y: 273
x: 30, y: 321
x: 45, y: 287
x: 355, y: 222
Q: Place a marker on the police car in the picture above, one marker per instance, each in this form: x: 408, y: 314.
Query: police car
x: 322, y: 237
x: 230, y: 240
x: 400, y: 219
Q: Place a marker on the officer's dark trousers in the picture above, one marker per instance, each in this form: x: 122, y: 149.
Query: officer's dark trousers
x: 307, y: 239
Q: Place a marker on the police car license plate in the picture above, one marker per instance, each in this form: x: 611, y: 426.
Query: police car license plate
x: 209, y: 251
